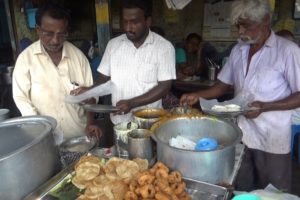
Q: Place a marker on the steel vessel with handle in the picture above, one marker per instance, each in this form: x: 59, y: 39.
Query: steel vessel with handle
x: 28, y: 155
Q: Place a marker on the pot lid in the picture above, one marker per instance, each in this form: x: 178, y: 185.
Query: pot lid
x: 18, y: 134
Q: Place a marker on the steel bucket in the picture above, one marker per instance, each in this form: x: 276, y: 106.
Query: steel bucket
x: 212, y: 166
x: 28, y: 155
x: 121, y: 132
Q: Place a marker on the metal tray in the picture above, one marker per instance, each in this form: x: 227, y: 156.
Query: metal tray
x: 100, y: 108
x: 224, y: 114
x: 47, y: 191
x: 205, y: 191
x: 207, y: 105
x: 61, y: 188
x: 197, y: 189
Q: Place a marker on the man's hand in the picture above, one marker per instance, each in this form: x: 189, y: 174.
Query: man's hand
x: 189, y: 99
x: 93, y: 131
x: 258, y: 108
x: 79, y: 90
x: 125, y: 106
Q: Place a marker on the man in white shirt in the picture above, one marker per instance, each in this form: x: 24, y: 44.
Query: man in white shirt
x: 140, y: 63
x: 296, y: 112
x: 267, y: 67
x: 48, y: 70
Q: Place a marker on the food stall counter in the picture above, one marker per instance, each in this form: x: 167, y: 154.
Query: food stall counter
x: 61, y: 183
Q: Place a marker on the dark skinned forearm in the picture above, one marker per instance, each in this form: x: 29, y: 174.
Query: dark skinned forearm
x: 152, y: 95
x: 288, y: 103
x: 215, y: 91
x: 90, y: 115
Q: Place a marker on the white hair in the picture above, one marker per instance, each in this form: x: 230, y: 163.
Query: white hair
x: 255, y: 10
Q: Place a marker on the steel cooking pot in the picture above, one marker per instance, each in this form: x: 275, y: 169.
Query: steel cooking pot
x: 211, y: 166
x: 146, y: 117
x: 28, y: 155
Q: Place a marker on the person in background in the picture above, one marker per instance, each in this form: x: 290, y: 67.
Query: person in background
x: 193, y: 58
x: 95, y: 58
x: 46, y: 71
x: 87, y: 48
x: 139, y: 63
x: 170, y: 100
x: 264, y: 67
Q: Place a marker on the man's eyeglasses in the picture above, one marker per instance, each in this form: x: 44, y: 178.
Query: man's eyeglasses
x: 50, y: 35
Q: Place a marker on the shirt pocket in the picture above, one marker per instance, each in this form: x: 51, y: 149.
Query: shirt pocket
x: 268, y: 80
x: 147, y: 73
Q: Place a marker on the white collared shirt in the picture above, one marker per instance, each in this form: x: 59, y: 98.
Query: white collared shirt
x: 134, y: 71
x: 40, y: 87
x: 274, y: 74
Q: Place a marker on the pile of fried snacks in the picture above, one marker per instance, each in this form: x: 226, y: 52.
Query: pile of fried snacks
x: 106, y: 181
x: 157, y: 183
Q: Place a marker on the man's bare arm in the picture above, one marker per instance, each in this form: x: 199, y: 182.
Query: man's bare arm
x: 152, y: 95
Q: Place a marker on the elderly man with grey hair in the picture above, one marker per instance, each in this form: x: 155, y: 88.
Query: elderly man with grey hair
x: 266, y: 67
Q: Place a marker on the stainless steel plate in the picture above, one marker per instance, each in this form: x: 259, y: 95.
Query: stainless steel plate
x: 78, y: 144
x: 207, y: 107
x: 225, y: 114
x: 100, y: 108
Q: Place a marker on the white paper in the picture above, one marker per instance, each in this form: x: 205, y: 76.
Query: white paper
x: 101, y: 90
x: 182, y: 143
x: 169, y: 4
x: 177, y: 4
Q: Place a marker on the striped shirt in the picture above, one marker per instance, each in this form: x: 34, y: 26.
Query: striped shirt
x: 134, y: 71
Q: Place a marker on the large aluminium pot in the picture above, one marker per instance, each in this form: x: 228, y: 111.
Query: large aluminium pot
x: 28, y: 155
x: 212, y: 166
